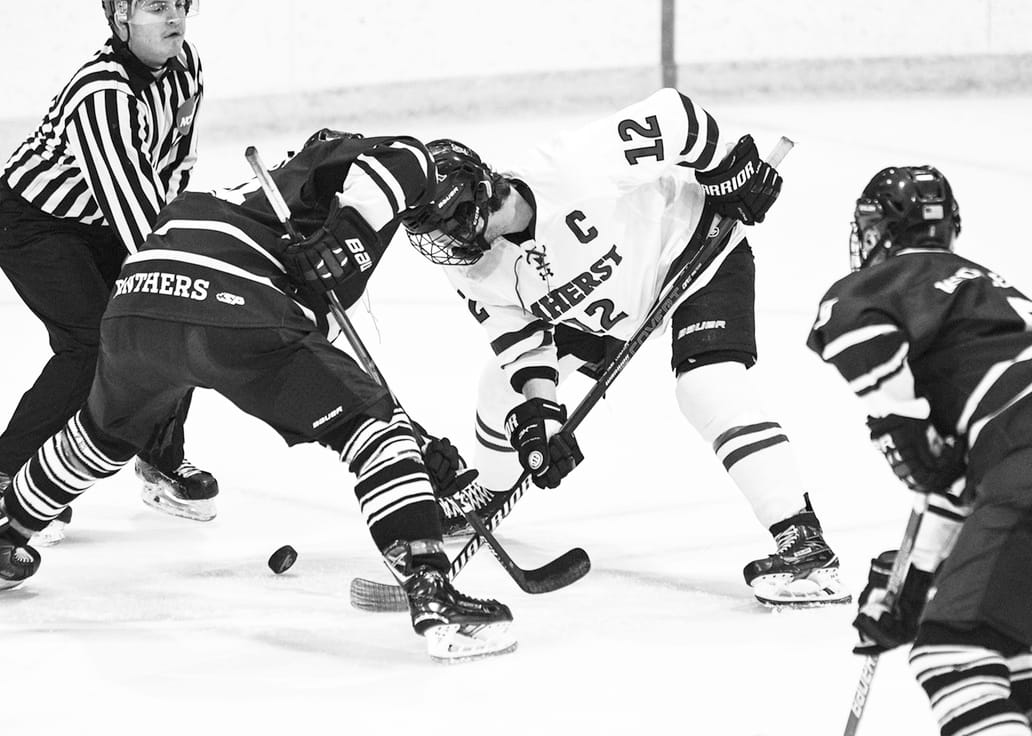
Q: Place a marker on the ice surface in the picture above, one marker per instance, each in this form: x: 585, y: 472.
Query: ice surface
x: 141, y: 623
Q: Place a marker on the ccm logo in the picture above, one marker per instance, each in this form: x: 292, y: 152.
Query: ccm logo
x: 231, y: 299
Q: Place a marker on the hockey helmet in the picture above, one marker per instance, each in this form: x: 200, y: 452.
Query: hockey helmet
x: 450, y: 230
x: 902, y: 207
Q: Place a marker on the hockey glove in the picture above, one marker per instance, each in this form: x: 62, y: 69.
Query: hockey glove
x: 884, y: 624
x: 443, y: 463
x: 742, y: 186
x: 917, y: 454
x: 547, y: 459
x: 343, y: 247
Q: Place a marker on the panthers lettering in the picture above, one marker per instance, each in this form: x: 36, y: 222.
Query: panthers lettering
x: 166, y: 284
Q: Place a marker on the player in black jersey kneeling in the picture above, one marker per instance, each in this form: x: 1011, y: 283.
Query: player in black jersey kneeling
x: 939, y: 350
x: 218, y: 298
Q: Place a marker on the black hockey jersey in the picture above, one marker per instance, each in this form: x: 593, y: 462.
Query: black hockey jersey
x: 929, y: 334
x: 214, y: 258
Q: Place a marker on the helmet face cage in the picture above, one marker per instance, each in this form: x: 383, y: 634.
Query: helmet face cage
x: 450, y: 230
x: 901, y: 207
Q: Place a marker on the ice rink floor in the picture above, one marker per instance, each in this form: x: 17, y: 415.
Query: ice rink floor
x: 143, y: 624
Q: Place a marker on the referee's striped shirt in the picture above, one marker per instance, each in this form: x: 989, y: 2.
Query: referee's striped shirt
x: 117, y: 143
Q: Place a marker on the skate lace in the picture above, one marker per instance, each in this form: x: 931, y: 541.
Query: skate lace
x: 187, y: 469
x: 474, y: 496
x: 786, y: 539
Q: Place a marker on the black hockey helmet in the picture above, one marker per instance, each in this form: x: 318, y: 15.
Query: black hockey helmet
x: 450, y: 230
x: 903, y: 207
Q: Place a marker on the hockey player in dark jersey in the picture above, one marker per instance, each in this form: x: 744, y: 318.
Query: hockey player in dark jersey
x: 939, y: 350
x: 218, y: 298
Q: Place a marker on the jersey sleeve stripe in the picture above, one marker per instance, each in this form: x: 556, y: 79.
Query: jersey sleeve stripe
x: 879, y: 372
x: 506, y: 342
x: 855, y: 337
x: 982, y: 389
x: 226, y: 229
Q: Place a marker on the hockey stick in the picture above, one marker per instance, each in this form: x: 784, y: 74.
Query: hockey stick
x: 373, y: 596
x: 892, y: 588
x: 560, y: 572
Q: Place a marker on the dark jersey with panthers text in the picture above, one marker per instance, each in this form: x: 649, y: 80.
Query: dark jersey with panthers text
x: 215, y: 258
x: 927, y: 324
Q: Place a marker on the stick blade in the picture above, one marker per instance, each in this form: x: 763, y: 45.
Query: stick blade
x: 564, y: 570
x: 369, y: 595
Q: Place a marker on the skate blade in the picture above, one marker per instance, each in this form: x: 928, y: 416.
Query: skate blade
x: 450, y: 644
x: 156, y: 496
x: 817, y: 589
x: 6, y: 585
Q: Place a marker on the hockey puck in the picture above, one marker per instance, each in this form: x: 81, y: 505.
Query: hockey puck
x: 282, y: 559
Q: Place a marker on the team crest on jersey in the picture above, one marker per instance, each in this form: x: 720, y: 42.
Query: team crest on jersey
x: 185, y: 116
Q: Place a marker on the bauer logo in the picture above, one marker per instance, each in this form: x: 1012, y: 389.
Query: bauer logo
x: 322, y: 420
x: 231, y: 299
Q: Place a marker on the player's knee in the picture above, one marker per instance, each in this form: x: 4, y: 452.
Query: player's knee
x: 717, y: 396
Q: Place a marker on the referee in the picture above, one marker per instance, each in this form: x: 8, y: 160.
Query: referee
x: 82, y: 192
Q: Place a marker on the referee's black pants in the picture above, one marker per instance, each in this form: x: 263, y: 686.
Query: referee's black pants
x: 64, y: 271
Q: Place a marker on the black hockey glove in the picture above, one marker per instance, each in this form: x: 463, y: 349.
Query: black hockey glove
x: 343, y: 247
x: 743, y: 186
x: 917, y: 454
x: 547, y: 459
x: 883, y: 626
x: 443, y: 463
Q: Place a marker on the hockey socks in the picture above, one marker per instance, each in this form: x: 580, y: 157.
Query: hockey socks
x: 65, y: 466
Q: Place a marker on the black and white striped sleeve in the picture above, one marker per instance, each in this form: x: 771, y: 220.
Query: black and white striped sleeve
x: 108, y: 133
x: 387, y: 180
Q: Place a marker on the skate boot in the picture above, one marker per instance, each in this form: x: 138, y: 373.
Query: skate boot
x: 53, y: 532
x: 18, y: 561
x: 187, y: 492
x: 457, y: 628
x: 480, y: 500
x: 803, y: 572
x: 5, y: 481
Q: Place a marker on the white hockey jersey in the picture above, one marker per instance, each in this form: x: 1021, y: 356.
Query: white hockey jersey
x: 616, y: 202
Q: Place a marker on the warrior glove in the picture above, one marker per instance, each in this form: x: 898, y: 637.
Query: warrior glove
x: 885, y: 624
x: 925, y: 461
x: 548, y: 457
x: 742, y: 186
x: 343, y: 247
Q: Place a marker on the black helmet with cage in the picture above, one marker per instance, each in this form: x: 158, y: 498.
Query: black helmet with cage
x: 903, y: 207
x: 450, y: 230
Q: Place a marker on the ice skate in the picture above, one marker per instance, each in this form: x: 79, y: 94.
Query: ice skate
x: 803, y: 572
x: 54, y: 532
x: 456, y: 627
x: 187, y: 492
x: 484, y: 502
x: 5, y: 481
x: 18, y: 561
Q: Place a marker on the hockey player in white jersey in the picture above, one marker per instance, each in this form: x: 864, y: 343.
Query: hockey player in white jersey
x: 561, y: 259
